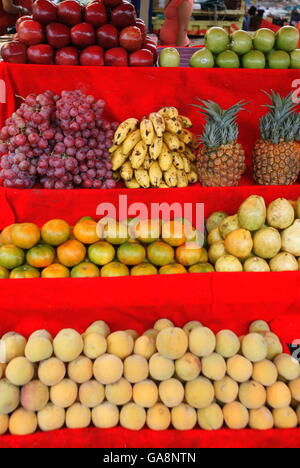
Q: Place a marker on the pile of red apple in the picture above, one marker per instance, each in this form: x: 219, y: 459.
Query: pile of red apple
x: 105, y: 32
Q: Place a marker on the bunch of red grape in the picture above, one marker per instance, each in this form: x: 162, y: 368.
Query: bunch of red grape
x: 61, y: 141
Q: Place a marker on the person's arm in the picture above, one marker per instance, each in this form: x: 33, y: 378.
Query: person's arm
x: 184, y: 15
x: 12, y: 9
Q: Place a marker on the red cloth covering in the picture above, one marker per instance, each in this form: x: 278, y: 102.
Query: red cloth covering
x: 220, y: 300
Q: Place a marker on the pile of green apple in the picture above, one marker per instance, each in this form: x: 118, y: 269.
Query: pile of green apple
x: 263, y: 49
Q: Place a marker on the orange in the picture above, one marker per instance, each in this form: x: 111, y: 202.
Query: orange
x: 11, y: 257
x: 55, y: 271
x: 116, y: 233
x: 101, y: 253
x: 189, y: 254
x: 114, y: 269
x: 25, y: 235
x: 40, y: 256
x: 131, y: 253
x: 144, y: 269
x: 174, y: 269
x: 173, y: 232
x: 201, y: 268
x: 25, y: 271
x: 86, y: 231
x: 160, y: 254
x: 147, y: 231
x: 4, y: 273
x: 85, y: 270
x: 6, y: 235
x: 56, y: 232
x: 71, y: 253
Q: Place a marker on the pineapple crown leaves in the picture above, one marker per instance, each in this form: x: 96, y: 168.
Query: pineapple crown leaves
x: 221, y: 127
x: 282, y: 122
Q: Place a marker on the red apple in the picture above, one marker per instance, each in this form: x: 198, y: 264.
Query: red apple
x: 16, y: 37
x: 41, y: 54
x: 92, y: 56
x: 107, y: 36
x: 141, y: 58
x: 14, y: 52
x: 141, y: 25
x: 58, y: 35
x: 116, y: 57
x: 152, y: 49
x: 123, y: 15
x: 31, y: 32
x: 66, y: 56
x: 44, y: 11
x: 20, y: 20
x: 112, y: 3
x: 131, y: 38
x: 151, y: 39
x: 96, y: 14
x: 83, y: 35
x: 69, y: 12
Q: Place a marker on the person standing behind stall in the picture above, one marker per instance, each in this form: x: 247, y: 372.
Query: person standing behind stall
x: 177, y: 16
x: 9, y: 13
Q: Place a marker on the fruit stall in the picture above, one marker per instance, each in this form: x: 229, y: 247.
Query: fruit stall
x: 185, y: 329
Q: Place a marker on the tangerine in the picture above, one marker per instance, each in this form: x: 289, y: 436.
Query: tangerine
x: 71, y: 253
x: 173, y: 232
x: 144, y: 269
x: 201, y: 268
x: 56, y: 270
x: 173, y: 269
x: 40, y: 256
x: 131, y: 253
x: 11, y: 256
x: 189, y: 254
x: 24, y: 271
x: 4, y: 273
x: 101, y: 253
x: 147, y: 230
x: 56, y: 232
x: 114, y: 269
x: 160, y: 254
x: 86, y: 231
x: 6, y: 235
x: 25, y: 235
x: 85, y: 270
x: 116, y: 233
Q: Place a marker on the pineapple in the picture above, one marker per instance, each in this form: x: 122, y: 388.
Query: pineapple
x: 276, y: 157
x: 221, y: 160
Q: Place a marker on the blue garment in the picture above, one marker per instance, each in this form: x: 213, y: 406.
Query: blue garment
x: 137, y: 5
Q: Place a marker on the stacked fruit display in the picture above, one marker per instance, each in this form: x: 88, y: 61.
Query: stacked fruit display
x: 61, y: 141
x: 167, y: 376
x: 264, y: 49
x: 159, y: 151
x: 256, y: 239
x: 102, y: 33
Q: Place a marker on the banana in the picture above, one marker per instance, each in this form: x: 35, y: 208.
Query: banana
x: 142, y: 178
x: 158, y: 123
x: 185, y: 121
x: 124, y: 129
x: 147, y: 131
x: 182, y: 179
x: 186, y: 136
x: 171, y: 141
x: 182, y: 147
x: 118, y: 158
x: 192, y: 177
x: 170, y: 177
x: 132, y: 184
x: 155, y: 174
x: 126, y: 171
x: 163, y: 185
x: 165, y: 158
x: 138, y: 155
x: 169, y: 113
x: 116, y: 176
x: 186, y: 165
x: 173, y: 126
x: 177, y: 161
x: 131, y: 141
x: 156, y: 147
x: 190, y: 154
x: 113, y: 148
x: 147, y: 162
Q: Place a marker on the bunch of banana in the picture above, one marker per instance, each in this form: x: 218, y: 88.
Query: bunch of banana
x: 159, y: 151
